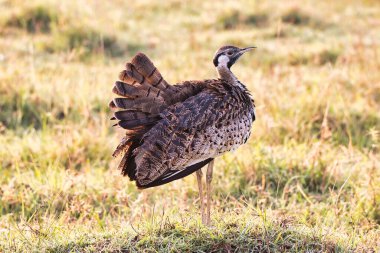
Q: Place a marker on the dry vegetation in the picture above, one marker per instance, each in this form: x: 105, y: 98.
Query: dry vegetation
x: 308, y: 180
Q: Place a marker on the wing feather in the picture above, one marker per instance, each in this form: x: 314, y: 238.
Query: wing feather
x: 174, y: 138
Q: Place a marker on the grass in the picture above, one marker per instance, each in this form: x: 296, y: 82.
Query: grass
x: 307, y: 180
x: 34, y: 20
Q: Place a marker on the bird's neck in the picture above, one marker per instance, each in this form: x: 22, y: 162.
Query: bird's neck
x: 226, y: 74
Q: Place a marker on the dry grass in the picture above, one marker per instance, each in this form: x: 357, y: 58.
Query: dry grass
x: 308, y: 180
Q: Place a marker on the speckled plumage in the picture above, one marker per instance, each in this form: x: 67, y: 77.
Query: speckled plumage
x: 173, y: 130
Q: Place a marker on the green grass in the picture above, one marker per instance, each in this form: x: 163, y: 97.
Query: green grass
x: 38, y: 19
x: 308, y: 180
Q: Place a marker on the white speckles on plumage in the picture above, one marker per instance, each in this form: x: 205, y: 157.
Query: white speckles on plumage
x: 174, y: 127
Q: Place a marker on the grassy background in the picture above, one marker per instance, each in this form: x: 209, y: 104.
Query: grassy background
x: 308, y: 179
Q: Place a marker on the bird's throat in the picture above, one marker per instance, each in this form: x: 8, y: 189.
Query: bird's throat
x: 226, y: 74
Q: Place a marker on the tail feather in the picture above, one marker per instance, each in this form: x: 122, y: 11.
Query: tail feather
x: 130, y: 115
x: 149, y: 71
x: 127, y: 165
x: 143, y: 95
x: 132, y: 119
x: 123, y: 76
x: 123, y: 146
x: 142, y: 104
x: 136, y: 91
x: 134, y: 74
x: 142, y: 92
x: 132, y: 136
x: 127, y: 90
x: 130, y: 124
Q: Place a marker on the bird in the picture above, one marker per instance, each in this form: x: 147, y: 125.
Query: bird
x: 173, y: 131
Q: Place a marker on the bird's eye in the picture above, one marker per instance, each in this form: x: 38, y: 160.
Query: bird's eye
x: 229, y: 53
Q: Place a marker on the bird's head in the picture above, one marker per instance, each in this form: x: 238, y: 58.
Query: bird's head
x: 228, y: 55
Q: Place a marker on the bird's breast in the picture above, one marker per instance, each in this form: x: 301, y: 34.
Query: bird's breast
x: 232, y: 130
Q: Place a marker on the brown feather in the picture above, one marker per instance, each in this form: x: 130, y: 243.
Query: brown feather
x: 146, y: 68
x: 174, y: 130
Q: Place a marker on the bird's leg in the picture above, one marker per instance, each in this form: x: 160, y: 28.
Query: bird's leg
x: 208, y: 190
x: 199, y: 179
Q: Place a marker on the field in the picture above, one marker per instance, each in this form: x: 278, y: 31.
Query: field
x: 308, y: 180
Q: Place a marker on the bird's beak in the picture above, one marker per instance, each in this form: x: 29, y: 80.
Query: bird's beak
x: 243, y: 50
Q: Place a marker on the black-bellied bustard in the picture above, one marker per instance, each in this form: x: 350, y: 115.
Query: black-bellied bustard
x: 175, y: 130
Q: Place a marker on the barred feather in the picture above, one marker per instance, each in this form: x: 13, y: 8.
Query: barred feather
x: 144, y: 66
x: 173, y: 130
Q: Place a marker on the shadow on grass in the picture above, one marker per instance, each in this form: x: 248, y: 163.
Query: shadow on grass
x: 234, y: 19
x: 86, y: 44
x: 81, y: 42
x: 38, y: 19
x: 244, y: 235
x: 25, y: 107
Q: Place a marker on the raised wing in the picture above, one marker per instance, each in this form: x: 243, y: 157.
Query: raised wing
x: 142, y: 95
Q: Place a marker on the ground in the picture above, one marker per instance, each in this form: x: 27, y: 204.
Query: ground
x: 308, y: 180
